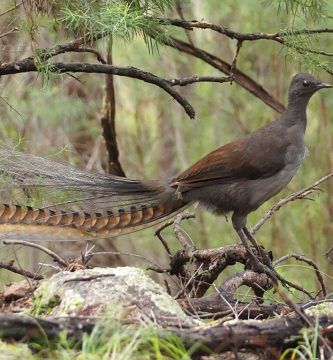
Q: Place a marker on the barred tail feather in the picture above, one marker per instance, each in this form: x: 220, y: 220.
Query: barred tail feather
x: 25, y: 223
x: 76, y: 204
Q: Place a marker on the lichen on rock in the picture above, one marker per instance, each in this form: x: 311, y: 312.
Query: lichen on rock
x: 125, y: 293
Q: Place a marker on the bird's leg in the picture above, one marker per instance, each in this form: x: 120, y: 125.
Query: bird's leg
x: 267, y: 261
x: 238, y: 223
x: 256, y: 264
x: 253, y: 242
x: 254, y: 260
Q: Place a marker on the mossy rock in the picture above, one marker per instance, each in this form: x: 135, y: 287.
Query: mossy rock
x: 124, y: 293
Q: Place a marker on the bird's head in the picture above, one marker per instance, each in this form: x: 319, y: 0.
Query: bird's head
x: 303, y: 86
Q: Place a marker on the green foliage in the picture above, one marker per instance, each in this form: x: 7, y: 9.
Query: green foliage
x: 300, y: 49
x: 308, y: 345
x: 44, y: 67
x: 111, y: 340
x: 308, y: 9
x: 39, y: 308
x: 121, y: 19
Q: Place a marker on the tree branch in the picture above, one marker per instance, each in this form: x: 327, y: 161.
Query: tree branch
x: 108, y: 121
x: 301, y: 194
x: 307, y: 261
x: 49, y: 252
x: 9, y: 265
x: 195, y: 79
x: 11, y: 9
x: 278, y: 36
x: 28, y: 65
x: 239, y: 77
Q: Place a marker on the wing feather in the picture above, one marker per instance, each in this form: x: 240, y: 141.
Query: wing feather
x: 258, y: 155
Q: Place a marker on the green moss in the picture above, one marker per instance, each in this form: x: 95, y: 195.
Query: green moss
x: 325, y: 308
x: 41, y: 308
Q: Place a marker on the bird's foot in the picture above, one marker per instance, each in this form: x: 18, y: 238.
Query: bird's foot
x: 267, y: 269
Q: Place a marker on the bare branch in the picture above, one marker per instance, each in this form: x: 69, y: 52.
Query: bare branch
x: 307, y: 261
x: 11, y: 9
x: 301, y: 194
x: 8, y: 32
x: 126, y: 254
x: 99, y: 56
x: 28, y: 65
x: 184, y: 240
x: 278, y: 36
x: 9, y: 265
x: 194, y: 79
x: 239, y: 77
x: 49, y: 252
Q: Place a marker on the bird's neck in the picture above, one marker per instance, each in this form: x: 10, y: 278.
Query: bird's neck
x: 296, y: 112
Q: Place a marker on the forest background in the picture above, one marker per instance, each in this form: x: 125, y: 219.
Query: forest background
x: 59, y: 115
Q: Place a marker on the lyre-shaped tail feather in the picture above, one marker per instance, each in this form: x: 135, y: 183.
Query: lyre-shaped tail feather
x: 21, y: 222
x: 75, y: 203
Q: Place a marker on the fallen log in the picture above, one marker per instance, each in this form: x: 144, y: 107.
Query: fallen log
x: 272, y: 335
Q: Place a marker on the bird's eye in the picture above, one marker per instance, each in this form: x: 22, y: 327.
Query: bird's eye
x: 306, y: 83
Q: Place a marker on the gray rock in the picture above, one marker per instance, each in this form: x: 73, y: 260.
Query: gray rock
x: 124, y: 293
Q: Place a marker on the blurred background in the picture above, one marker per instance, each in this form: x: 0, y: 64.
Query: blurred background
x: 47, y: 115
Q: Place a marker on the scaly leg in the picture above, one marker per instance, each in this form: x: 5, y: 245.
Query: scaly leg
x: 267, y: 261
x: 238, y: 222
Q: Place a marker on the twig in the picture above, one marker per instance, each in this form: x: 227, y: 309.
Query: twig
x: 126, y: 254
x: 328, y: 253
x: 87, y: 255
x: 164, y: 243
x: 10, y: 106
x: 8, y: 32
x: 189, y: 248
x: 9, y: 265
x: 240, y: 77
x: 195, y: 79
x: 11, y: 9
x: 49, y: 252
x: 184, y: 216
x: 307, y: 261
x: 88, y: 278
x: 293, y: 285
x: 234, y: 61
x: 99, y: 56
x: 179, y: 10
x: 301, y: 194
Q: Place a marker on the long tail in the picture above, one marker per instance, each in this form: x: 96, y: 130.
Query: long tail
x: 92, y: 205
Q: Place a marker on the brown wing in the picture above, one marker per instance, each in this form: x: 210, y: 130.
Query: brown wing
x: 255, y: 156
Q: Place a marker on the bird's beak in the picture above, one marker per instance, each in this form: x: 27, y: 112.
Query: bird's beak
x: 323, y: 86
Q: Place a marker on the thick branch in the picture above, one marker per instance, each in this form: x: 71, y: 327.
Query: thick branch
x: 239, y: 77
x: 278, y: 333
x: 213, y: 306
x: 190, y: 25
x: 28, y: 65
x: 108, y: 121
x: 278, y: 36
